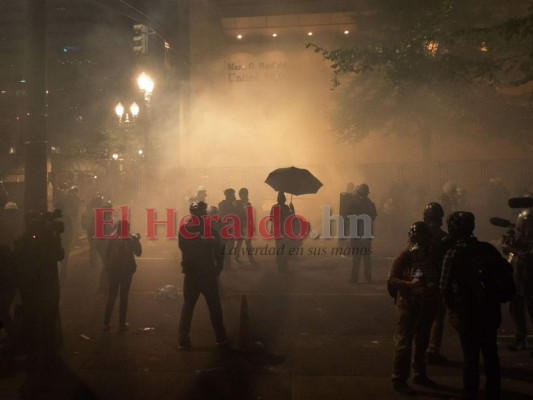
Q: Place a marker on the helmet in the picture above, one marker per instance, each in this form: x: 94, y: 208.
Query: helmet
x: 433, y: 210
x: 362, y: 189
x: 419, y: 230
x: 461, y: 223
x: 198, y: 208
x: 525, y: 219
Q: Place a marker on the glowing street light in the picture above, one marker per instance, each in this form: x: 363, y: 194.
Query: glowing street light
x: 145, y: 83
x: 119, y: 110
x: 134, y: 109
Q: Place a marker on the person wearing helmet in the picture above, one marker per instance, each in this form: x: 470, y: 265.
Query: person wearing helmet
x: 522, y: 261
x: 433, y: 216
x: 362, y: 247
x: 202, y: 260
x: 11, y: 225
x: 475, y: 280
x: 413, y: 281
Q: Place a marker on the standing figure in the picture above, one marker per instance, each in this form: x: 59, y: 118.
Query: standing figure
x: 228, y: 206
x: 345, y: 200
x: 202, y: 261
x: 413, y: 280
x: 362, y: 247
x: 520, y: 251
x: 37, y: 252
x: 242, y: 205
x: 283, y: 241
x: 475, y: 280
x: 433, y: 215
x: 120, y: 266
x: 89, y: 224
x: 66, y: 241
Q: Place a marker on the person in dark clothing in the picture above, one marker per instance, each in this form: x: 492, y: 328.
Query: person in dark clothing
x: 521, y: 256
x: 472, y: 277
x: 228, y: 206
x: 202, y: 261
x: 345, y: 201
x: 433, y: 215
x: 414, y: 280
x: 362, y: 247
x: 241, y: 205
x: 66, y: 240
x: 120, y: 266
x: 283, y: 242
x: 37, y: 252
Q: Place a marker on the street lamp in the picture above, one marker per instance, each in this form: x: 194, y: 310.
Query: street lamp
x: 145, y: 83
x: 134, y: 109
x: 119, y: 110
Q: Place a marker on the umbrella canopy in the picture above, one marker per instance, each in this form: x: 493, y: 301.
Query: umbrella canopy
x: 293, y: 180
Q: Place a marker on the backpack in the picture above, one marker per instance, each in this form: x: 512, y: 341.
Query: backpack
x: 495, y: 277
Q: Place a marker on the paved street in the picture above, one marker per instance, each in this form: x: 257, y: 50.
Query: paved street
x: 323, y: 338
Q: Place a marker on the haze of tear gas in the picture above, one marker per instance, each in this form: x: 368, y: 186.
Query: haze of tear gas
x: 260, y: 105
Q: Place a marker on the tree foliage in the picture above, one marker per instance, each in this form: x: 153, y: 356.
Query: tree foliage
x: 436, y: 66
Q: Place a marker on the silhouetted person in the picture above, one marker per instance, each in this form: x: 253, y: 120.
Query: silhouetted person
x: 433, y: 215
x: 475, y: 280
x: 362, y: 247
x: 228, y: 206
x: 120, y: 266
x: 414, y: 279
x: 522, y: 260
x: 283, y: 242
x: 89, y: 223
x: 202, y: 261
x: 66, y: 240
x: 37, y: 252
x: 345, y: 201
x: 11, y: 224
x: 242, y: 205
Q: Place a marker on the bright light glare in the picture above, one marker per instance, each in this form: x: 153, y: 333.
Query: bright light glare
x: 115, y: 156
x: 119, y: 110
x: 346, y: 32
x: 239, y: 36
x: 140, y: 152
x: 145, y: 83
x: 309, y: 33
x: 134, y: 108
x: 274, y: 35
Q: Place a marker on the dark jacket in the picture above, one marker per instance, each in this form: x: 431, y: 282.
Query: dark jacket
x: 201, y: 256
x: 473, y: 276
x: 120, y: 254
x: 401, y: 274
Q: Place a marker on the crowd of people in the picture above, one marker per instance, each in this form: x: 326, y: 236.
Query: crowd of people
x: 438, y: 273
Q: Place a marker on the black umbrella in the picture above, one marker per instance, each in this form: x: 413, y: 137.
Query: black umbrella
x: 293, y: 180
